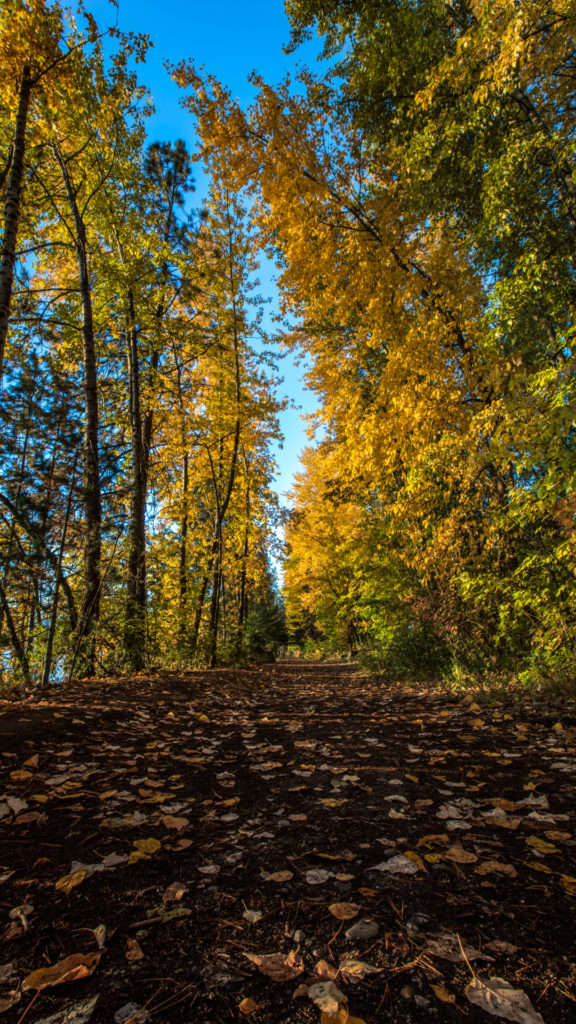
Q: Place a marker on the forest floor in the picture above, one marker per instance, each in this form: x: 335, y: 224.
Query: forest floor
x: 277, y: 844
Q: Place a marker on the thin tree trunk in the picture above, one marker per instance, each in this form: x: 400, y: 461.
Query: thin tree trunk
x: 16, y: 643
x: 12, y: 208
x: 215, y: 600
x: 200, y: 607
x: 55, y: 597
x: 135, y: 612
x: 183, y: 567
x: 90, y: 610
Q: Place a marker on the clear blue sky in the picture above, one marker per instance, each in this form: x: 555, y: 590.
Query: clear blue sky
x: 230, y: 39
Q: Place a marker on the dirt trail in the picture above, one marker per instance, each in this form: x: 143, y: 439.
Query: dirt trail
x: 167, y: 808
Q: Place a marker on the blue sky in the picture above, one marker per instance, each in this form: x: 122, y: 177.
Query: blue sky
x: 229, y: 39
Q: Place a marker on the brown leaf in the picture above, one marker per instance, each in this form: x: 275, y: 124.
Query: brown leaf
x: 344, y: 911
x: 169, y: 821
x: 443, y: 994
x: 497, y: 997
x: 247, y: 1006
x: 278, y: 966
x: 495, y: 867
x: 134, y: 950
x: 175, y: 892
x: 72, y: 968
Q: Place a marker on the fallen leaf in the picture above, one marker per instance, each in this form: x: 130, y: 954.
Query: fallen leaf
x: 134, y: 950
x: 541, y: 845
x: 497, y: 997
x: 69, y: 882
x: 247, y: 1006
x: 175, y: 892
x: 72, y: 968
x: 209, y: 869
x: 341, y: 1017
x: 278, y: 966
x: 169, y: 821
x: 280, y: 876
x: 495, y: 867
x: 398, y: 865
x: 317, y: 876
x: 568, y: 884
x: 538, y: 865
x: 148, y: 845
x: 355, y: 970
x: 252, y: 916
x: 449, y: 946
x: 344, y: 911
x: 459, y: 855
x: 443, y: 994
x: 327, y: 996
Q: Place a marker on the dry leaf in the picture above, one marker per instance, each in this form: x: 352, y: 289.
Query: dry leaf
x: 459, y: 855
x: 327, y: 996
x: 568, y: 884
x: 278, y: 966
x: 69, y: 882
x: 344, y: 911
x: 498, y: 998
x: 317, y: 876
x: 323, y: 971
x: 444, y: 994
x: 541, y: 845
x: 252, y: 916
x: 169, y: 821
x: 148, y: 845
x: 399, y: 865
x: 448, y: 946
x: 280, y: 876
x: 72, y: 968
x: 134, y: 950
x: 495, y: 867
x: 341, y: 1017
x: 355, y: 970
x: 175, y: 892
x: 247, y: 1006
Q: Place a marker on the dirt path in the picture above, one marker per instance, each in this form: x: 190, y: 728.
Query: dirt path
x: 175, y: 810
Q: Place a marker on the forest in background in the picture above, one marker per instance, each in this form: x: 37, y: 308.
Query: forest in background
x: 419, y: 201
x: 139, y: 402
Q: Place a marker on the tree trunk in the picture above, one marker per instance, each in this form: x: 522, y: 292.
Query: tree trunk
x: 135, y: 611
x: 16, y: 643
x: 183, y: 567
x: 90, y: 610
x: 200, y: 608
x: 55, y: 597
x: 12, y: 209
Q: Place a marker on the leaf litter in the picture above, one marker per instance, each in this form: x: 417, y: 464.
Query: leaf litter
x: 264, y: 800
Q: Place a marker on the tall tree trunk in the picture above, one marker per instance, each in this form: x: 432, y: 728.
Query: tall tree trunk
x: 90, y: 610
x: 183, y: 566
x: 16, y: 642
x: 135, y: 611
x: 56, y: 594
x: 200, y: 607
x: 215, y: 598
x: 12, y: 208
